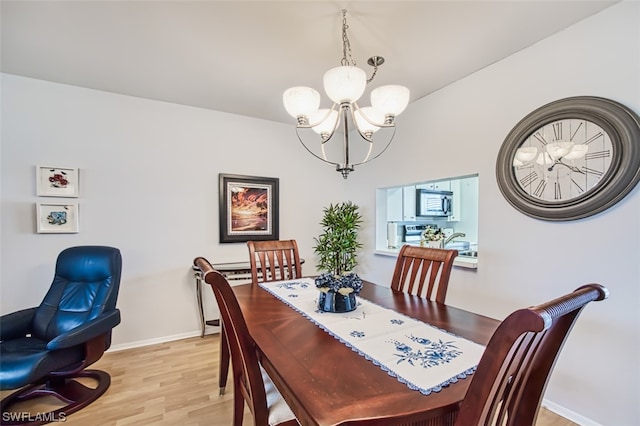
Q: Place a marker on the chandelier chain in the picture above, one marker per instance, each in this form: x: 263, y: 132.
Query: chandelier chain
x: 346, y: 44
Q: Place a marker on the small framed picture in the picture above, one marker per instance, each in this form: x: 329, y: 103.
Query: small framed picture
x: 56, y: 181
x: 57, y: 218
x: 248, y: 208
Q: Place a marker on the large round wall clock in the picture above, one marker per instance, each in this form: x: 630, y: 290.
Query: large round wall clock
x: 570, y: 159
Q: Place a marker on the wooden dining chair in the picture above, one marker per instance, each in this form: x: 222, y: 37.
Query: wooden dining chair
x: 423, y: 271
x: 512, y: 375
x: 274, y: 260
x: 251, y: 384
x: 270, y: 260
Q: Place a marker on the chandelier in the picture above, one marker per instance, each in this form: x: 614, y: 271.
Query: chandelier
x: 344, y: 85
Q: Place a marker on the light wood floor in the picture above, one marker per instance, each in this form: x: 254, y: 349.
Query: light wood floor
x: 173, y: 383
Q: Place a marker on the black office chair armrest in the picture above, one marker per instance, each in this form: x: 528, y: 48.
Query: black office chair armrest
x: 16, y: 324
x: 85, y: 332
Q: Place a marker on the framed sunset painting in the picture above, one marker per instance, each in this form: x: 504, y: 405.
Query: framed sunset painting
x: 248, y: 208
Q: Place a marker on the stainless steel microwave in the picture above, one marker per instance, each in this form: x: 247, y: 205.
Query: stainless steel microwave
x: 433, y: 203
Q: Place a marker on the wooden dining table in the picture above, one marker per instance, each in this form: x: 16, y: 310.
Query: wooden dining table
x: 326, y: 383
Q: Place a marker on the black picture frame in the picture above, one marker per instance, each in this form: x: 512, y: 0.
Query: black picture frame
x: 258, y: 198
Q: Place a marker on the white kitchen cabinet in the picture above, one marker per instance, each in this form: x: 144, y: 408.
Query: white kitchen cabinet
x: 409, y: 203
x: 443, y: 185
x: 394, y: 204
x: 454, y: 186
x: 401, y: 204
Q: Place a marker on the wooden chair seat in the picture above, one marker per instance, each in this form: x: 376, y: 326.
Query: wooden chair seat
x: 279, y: 412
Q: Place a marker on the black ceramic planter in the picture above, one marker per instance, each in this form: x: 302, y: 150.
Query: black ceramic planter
x: 335, y: 302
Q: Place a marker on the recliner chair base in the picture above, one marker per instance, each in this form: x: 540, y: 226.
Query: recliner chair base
x: 68, y: 390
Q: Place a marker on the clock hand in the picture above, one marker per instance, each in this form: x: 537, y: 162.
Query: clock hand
x: 570, y: 167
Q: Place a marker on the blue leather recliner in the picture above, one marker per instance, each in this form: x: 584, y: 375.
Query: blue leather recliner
x: 43, y: 349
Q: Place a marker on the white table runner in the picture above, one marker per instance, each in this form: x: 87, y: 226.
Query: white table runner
x: 423, y: 357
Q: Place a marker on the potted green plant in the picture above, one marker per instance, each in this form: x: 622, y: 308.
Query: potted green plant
x: 337, y: 248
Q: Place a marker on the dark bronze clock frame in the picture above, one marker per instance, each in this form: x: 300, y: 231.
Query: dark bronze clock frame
x: 622, y: 127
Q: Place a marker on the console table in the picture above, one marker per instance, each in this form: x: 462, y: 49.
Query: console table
x: 233, y: 271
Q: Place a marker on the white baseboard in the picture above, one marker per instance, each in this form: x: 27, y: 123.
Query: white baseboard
x: 163, y: 339
x: 568, y: 414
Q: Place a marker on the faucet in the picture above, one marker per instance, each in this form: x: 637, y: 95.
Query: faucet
x: 454, y: 235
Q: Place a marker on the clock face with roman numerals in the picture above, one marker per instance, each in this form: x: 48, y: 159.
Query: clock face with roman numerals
x: 563, y: 160
x: 570, y: 159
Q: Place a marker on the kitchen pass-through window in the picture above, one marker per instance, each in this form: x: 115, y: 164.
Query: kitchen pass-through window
x: 447, y: 207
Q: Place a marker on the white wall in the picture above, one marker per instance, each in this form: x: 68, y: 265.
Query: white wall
x: 149, y: 186
x: 523, y: 261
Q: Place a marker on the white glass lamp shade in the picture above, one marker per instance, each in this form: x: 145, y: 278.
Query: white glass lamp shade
x: 544, y: 159
x: 373, y: 115
x: 301, y: 101
x: 345, y: 83
x: 326, y: 122
x: 391, y: 99
x: 558, y: 150
x: 526, y: 154
x: 578, y: 151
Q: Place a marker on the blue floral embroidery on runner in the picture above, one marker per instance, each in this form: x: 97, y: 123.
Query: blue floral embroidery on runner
x: 293, y: 295
x: 357, y: 333
x: 291, y: 285
x: 397, y: 321
x: 431, y: 355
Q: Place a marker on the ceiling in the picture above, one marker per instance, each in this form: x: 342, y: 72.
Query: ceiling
x: 239, y: 56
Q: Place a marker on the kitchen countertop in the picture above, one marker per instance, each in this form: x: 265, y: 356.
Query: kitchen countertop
x: 459, y: 261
